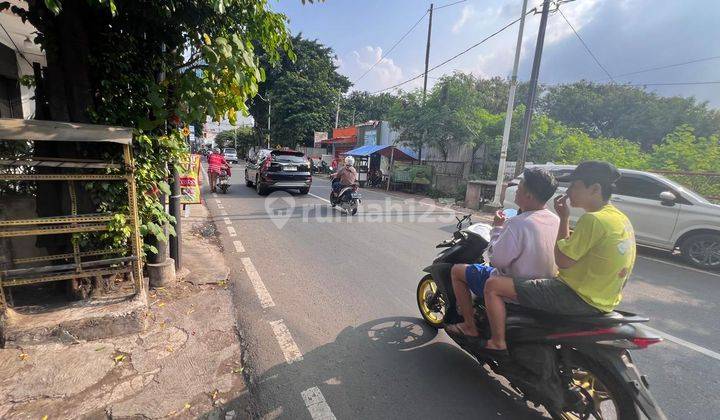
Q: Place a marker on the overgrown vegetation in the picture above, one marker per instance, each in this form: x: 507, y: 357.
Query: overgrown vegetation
x: 151, y: 66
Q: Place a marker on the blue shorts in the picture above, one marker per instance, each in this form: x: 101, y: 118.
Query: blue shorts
x: 476, y: 275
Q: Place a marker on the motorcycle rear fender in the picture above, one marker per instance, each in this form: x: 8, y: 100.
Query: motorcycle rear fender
x: 619, y: 362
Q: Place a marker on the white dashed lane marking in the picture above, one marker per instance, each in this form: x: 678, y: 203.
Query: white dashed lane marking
x: 289, y: 349
x: 238, y: 247
x: 316, y: 404
x: 320, y: 198
x: 684, y: 267
x: 266, y: 300
x: 680, y: 341
x: 227, y: 220
x: 231, y: 231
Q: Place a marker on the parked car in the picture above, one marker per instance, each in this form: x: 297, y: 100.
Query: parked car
x: 278, y: 169
x: 230, y: 155
x: 664, y: 214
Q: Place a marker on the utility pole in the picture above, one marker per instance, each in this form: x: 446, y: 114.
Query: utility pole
x: 268, y: 118
x: 337, y: 111
x: 527, y: 120
x: 427, y: 54
x: 269, y: 111
x: 509, y: 113
x: 427, y: 61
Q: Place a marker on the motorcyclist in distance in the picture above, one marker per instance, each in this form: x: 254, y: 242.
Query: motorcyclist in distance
x: 346, y: 176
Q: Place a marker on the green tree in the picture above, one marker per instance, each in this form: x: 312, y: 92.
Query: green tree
x: 360, y: 107
x: 145, y: 65
x: 303, y: 88
x: 623, y: 111
x: 682, y: 150
x: 241, y: 138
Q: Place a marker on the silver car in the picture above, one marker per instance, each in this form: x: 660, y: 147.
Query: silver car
x: 664, y: 214
x: 230, y: 155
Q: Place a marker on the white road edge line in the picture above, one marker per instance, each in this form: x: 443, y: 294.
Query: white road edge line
x: 266, y: 300
x: 287, y: 344
x: 316, y: 404
x: 685, y: 267
x: 239, y: 247
x: 320, y: 198
x: 680, y: 341
x: 231, y: 231
x: 227, y: 220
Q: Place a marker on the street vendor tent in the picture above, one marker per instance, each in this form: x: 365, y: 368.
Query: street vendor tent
x: 401, y: 153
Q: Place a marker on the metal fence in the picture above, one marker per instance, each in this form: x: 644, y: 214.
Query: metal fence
x: 706, y: 184
x: 446, y: 168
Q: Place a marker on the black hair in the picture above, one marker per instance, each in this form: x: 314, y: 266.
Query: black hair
x: 607, y: 187
x: 540, y: 183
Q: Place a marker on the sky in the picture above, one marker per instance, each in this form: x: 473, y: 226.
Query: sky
x: 625, y: 36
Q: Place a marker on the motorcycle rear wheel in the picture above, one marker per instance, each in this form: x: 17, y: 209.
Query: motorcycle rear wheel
x: 430, y: 302
x: 603, y: 392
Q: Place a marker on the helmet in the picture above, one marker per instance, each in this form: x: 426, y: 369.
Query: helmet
x: 216, y: 150
x: 349, y: 161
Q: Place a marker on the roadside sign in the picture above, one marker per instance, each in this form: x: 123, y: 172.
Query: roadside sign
x: 190, y: 180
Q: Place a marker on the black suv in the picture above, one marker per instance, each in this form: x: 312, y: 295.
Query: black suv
x: 278, y: 169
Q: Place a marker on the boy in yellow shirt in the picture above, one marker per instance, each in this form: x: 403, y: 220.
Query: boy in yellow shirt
x: 594, y: 262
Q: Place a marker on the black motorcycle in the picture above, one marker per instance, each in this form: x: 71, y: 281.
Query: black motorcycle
x: 577, y: 367
x: 348, y: 199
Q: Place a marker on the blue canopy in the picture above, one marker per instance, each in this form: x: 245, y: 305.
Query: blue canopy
x: 371, y: 149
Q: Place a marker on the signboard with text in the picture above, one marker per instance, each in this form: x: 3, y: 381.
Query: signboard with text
x: 190, y: 180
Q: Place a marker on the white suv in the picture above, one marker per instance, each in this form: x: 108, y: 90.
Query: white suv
x: 665, y: 214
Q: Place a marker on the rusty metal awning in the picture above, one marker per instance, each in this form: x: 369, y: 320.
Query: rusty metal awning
x: 37, y: 130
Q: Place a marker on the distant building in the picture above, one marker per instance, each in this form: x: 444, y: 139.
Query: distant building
x: 376, y: 133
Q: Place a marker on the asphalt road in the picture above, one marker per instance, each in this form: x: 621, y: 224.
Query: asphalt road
x: 326, y: 306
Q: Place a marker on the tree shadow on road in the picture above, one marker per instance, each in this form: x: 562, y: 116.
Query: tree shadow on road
x: 392, y: 367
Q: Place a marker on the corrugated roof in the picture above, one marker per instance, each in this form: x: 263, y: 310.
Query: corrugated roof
x: 370, y: 149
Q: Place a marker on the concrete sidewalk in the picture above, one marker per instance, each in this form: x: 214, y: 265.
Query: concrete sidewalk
x: 186, y: 364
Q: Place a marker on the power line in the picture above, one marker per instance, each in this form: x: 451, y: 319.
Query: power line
x: 674, y: 83
x: 455, y: 56
x: 699, y: 60
x: 450, y: 4
x: 586, y: 46
x: 392, y: 48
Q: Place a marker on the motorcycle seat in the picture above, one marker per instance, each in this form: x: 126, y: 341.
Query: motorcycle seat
x: 611, y: 318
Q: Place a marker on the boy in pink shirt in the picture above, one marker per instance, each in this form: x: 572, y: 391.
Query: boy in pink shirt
x: 520, y: 247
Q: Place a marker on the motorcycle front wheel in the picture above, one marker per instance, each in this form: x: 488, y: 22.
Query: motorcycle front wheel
x: 430, y: 302
x: 601, y: 393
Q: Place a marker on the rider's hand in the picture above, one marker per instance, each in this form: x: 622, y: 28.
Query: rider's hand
x: 499, y: 219
x: 561, y: 206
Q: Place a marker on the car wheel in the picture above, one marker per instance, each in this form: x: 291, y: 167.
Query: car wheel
x: 262, y: 189
x: 304, y: 190
x: 702, y: 250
